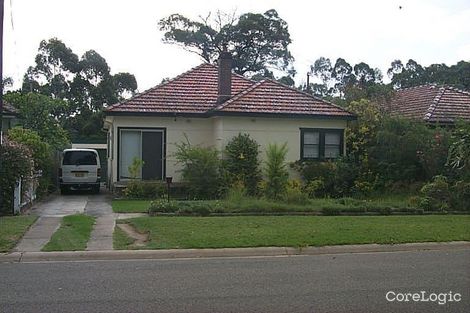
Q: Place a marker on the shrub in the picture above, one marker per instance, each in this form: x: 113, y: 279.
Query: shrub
x: 242, y: 162
x: 41, y: 153
x: 236, y: 193
x: 460, y: 196
x: 332, y: 178
x: 16, y: 162
x: 275, y: 171
x: 144, y: 190
x: 163, y: 206
x: 135, y: 168
x: 294, y: 193
x: 315, y: 188
x: 201, y: 170
x: 194, y: 208
x: 200, y: 208
x: 459, y: 151
x: 436, y: 194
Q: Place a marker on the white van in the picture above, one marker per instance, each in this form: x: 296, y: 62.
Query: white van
x: 80, y: 169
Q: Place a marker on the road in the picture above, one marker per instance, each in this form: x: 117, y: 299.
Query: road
x: 324, y: 283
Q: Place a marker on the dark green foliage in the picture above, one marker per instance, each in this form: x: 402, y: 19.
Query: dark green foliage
x: 436, y: 195
x: 17, y: 162
x: 86, y: 84
x: 258, y: 42
x: 295, y: 194
x: 42, y: 114
x: 201, y: 170
x: 242, y: 163
x: 276, y: 171
x: 442, y: 195
x: 459, y: 151
x: 408, y: 150
x: 41, y: 152
x: 413, y: 74
x: 460, y: 195
x: 343, y: 83
x: 328, y: 179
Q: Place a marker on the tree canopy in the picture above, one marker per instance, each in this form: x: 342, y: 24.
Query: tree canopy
x: 258, y: 42
x: 413, y: 74
x: 85, y: 83
x: 43, y: 115
x: 343, y: 82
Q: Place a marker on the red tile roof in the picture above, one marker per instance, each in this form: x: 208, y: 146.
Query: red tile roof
x: 435, y: 104
x: 272, y: 97
x: 195, y: 92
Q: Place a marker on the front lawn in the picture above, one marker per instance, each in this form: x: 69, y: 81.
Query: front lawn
x: 297, y: 231
x: 12, y: 228
x: 73, y: 234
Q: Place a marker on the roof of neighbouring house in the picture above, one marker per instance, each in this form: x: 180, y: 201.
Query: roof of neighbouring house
x: 195, y: 93
x: 8, y: 109
x: 432, y: 103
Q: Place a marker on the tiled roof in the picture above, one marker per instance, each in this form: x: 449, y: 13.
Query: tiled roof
x: 436, y: 104
x: 272, y: 97
x: 8, y: 109
x: 195, y: 92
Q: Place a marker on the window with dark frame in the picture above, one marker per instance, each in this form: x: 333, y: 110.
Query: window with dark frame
x: 319, y: 144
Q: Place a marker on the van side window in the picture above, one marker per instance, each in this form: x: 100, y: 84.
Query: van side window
x: 79, y: 158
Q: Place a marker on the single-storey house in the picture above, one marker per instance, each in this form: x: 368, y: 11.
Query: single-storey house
x: 209, y: 105
x: 431, y: 103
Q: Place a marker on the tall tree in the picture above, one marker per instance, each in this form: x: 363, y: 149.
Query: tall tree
x: 85, y: 83
x: 413, y: 74
x: 258, y: 42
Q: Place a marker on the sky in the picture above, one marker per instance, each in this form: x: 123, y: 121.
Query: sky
x: 126, y: 33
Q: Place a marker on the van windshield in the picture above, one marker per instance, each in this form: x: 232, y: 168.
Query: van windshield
x: 79, y: 158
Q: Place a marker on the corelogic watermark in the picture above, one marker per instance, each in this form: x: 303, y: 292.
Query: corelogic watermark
x: 440, y: 298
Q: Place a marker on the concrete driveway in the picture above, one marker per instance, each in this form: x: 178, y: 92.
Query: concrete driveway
x: 52, y: 209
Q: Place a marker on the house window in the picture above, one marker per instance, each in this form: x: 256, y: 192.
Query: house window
x: 145, y: 144
x: 321, y: 143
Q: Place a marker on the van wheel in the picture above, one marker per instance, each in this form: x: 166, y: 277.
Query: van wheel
x: 96, y: 189
x: 63, y: 190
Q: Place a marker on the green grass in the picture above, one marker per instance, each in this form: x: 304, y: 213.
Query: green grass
x: 73, y: 234
x: 12, y: 228
x: 297, y: 231
x: 120, y: 239
x: 130, y: 206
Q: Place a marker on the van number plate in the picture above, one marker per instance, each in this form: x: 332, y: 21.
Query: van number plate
x: 79, y: 174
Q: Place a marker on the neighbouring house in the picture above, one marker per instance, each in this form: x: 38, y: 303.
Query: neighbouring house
x: 9, y: 116
x: 433, y: 104
x: 209, y: 105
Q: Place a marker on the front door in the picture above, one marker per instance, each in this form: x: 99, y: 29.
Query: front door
x: 152, y: 155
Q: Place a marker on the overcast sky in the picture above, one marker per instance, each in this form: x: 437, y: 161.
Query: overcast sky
x: 125, y: 32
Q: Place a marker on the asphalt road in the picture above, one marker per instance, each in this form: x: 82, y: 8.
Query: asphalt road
x: 325, y: 283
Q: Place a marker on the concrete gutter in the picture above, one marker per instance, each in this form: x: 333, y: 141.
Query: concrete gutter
x: 25, y: 257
